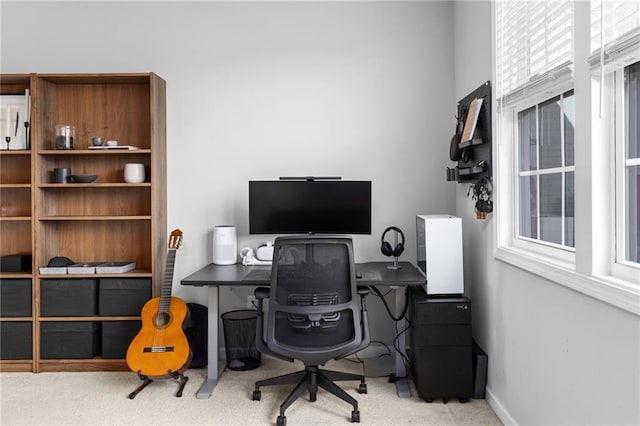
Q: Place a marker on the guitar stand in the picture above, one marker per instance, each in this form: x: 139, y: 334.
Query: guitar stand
x: 182, y: 380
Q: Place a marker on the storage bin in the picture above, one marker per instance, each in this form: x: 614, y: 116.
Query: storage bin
x: 15, y: 340
x: 68, y: 297
x: 123, y: 296
x: 69, y: 339
x: 15, y: 263
x: 15, y: 297
x: 117, y: 336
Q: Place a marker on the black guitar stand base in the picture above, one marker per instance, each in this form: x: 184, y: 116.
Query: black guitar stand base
x: 182, y: 381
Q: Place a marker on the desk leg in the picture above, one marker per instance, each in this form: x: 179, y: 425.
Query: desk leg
x: 402, y: 383
x: 212, y: 346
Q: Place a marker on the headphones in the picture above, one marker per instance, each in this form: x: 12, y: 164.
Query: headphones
x: 386, y: 247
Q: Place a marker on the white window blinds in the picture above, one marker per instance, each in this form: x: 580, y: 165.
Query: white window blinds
x: 534, y: 43
x: 616, y: 25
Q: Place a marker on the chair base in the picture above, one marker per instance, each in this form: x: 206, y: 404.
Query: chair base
x: 310, y: 379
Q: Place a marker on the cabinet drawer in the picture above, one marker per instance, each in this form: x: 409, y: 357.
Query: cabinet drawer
x: 442, y: 311
x: 442, y: 335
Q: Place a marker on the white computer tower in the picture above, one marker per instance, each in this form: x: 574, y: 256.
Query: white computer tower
x: 439, y: 253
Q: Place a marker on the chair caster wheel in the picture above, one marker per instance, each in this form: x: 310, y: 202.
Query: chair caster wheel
x: 282, y: 421
x: 362, y: 388
x: 464, y: 400
x: 256, y: 395
x: 429, y: 400
x: 445, y: 400
x: 355, y: 416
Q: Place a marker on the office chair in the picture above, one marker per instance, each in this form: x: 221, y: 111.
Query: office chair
x: 314, y: 315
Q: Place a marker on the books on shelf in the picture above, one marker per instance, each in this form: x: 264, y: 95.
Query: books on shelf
x: 90, y: 268
x: 472, y: 120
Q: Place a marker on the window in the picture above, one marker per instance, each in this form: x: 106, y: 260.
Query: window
x: 546, y: 171
x: 631, y: 165
x: 567, y: 166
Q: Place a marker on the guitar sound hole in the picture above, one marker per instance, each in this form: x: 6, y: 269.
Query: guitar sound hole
x: 162, y: 320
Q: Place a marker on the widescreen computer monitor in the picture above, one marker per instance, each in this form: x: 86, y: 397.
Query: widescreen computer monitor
x: 310, y: 207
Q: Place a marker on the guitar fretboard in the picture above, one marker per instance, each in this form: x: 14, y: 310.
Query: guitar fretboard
x: 167, y: 282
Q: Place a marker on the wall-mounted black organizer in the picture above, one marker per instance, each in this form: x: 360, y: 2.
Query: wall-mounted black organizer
x: 473, y: 156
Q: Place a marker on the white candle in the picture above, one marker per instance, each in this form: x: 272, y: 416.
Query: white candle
x: 8, y: 121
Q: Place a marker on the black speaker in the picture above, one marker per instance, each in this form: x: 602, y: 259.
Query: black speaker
x: 480, y: 364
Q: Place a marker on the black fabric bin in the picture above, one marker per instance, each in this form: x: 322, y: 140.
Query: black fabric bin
x: 68, y: 297
x: 123, y: 296
x: 15, y: 297
x: 72, y: 339
x: 117, y: 336
x: 240, y: 339
x: 15, y: 340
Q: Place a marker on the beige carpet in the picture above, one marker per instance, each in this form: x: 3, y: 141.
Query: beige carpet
x: 100, y: 398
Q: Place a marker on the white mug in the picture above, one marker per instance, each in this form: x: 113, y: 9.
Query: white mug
x: 134, y: 172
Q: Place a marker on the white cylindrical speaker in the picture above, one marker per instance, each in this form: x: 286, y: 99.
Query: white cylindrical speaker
x: 225, y: 245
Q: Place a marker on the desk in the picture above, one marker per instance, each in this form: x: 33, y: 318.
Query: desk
x: 373, y: 273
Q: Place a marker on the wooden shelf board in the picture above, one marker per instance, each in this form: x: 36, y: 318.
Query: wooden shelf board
x: 92, y: 364
x: 15, y: 319
x: 95, y: 185
x: 15, y: 185
x: 19, y: 365
x: 15, y: 218
x: 4, y: 275
x: 15, y: 152
x: 94, y: 218
x: 94, y: 151
x: 92, y: 318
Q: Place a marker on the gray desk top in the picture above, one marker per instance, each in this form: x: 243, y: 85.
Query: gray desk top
x: 373, y: 273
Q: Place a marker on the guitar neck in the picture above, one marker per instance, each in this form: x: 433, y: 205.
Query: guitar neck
x: 167, y: 282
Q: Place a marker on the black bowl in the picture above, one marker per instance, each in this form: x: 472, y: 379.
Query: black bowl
x: 83, y: 178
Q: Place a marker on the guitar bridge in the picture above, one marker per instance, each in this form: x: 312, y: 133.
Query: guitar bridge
x: 158, y: 349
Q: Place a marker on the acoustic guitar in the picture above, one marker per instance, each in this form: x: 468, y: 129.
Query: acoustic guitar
x: 161, y: 349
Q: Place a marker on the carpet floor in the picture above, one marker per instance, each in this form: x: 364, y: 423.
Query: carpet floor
x: 101, y: 398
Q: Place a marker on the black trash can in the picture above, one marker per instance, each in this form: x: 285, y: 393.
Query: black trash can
x: 240, y: 339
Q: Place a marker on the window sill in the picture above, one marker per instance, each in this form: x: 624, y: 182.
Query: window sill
x: 619, y: 293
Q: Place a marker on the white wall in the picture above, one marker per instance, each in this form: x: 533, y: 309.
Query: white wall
x: 267, y: 89
x: 555, y: 356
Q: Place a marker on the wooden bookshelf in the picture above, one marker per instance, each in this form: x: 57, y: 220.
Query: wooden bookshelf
x: 104, y: 221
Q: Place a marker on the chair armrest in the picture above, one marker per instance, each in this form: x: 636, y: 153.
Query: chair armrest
x: 261, y: 292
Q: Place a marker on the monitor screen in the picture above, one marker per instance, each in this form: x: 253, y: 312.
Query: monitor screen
x: 308, y: 206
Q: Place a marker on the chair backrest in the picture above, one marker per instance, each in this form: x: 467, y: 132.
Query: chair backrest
x: 314, y: 309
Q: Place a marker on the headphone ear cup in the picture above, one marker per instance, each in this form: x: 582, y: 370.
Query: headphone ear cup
x: 398, y: 250
x: 386, y: 249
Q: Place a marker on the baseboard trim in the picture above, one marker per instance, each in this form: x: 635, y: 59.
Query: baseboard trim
x: 499, y: 409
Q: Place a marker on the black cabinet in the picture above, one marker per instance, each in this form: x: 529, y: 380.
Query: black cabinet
x: 441, y: 346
